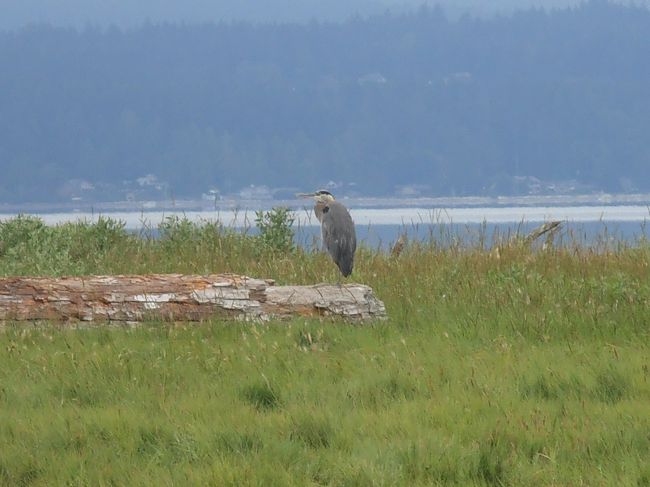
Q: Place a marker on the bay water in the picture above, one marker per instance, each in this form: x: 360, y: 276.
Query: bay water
x: 380, y: 227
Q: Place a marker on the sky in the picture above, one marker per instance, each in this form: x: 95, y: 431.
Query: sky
x: 129, y: 13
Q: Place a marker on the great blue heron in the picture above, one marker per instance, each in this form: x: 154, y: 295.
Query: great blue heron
x: 337, y: 229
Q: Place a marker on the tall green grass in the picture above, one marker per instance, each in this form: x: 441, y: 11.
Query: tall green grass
x: 496, y: 367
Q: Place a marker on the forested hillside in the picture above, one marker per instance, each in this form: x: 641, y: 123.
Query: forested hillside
x: 127, y: 13
x: 458, y: 107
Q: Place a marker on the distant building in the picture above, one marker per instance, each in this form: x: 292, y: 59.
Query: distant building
x: 254, y: 192
x: 412, y: 190
x: 372, y: 79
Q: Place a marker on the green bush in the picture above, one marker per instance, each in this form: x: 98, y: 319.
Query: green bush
x: 28, y: 246
x: 19, y: 231
x: 176, y: 229
x: 275, y: 227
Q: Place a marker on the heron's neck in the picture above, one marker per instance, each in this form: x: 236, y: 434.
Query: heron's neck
x: 318, y: 210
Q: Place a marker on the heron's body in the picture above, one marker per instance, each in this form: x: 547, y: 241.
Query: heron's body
x: 337, y: 230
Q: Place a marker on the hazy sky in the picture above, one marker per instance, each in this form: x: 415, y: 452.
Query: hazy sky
x: 17, y: 13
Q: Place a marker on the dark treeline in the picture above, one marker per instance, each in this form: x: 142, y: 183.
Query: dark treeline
x: 459, y: 107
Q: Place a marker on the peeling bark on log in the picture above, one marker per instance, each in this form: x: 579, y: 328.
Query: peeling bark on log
x: 177, y: 297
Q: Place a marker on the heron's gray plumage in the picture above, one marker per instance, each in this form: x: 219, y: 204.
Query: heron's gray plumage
x: 337, y: 229
x: 339, y: 236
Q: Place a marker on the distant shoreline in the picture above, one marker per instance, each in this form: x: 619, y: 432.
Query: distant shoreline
x: 358, y: 202
x: 368, y: 216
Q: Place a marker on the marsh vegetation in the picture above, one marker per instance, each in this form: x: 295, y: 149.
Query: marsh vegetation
x: 510, y: 367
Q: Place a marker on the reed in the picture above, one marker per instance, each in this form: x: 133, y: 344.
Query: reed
x: 500, y: 364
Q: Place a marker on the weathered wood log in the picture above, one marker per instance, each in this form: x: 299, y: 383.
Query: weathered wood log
x: 177, y: 297
x: 549, y: 227
x: 398, y: 246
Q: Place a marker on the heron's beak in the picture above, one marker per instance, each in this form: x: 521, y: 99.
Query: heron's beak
x: 305, y: 195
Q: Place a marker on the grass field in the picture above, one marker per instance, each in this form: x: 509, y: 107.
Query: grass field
x: 508, y: 367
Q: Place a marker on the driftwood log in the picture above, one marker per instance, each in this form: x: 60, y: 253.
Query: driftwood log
x: 177, y: 297
x: 548, y: 228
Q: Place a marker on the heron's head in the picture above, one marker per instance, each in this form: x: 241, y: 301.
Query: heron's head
x: 320, y: 196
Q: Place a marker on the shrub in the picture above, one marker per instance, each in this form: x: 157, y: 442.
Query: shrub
x: 275, y: 227
x: 19, y: 230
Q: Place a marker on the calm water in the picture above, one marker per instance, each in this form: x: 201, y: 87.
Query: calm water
x: 380, y: 227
